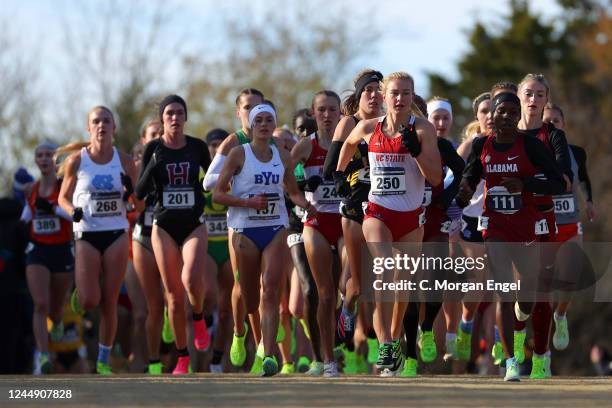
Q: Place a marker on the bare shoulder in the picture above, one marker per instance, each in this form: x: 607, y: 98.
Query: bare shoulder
x: 73, y: 162
x: 228, y: 144
x: 344, y: 128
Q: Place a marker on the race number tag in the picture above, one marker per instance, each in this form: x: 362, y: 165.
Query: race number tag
x: 427, y: 197
x: 148, y: 218
x: 272, y: 212
x: 388, y: 181
x: 564, y: 204
x: 299, y: 212
x: 446, y: 226
x: 500, y: 200
x: 326, y: 194
x: 294, y: 239
x: 483, y: 223
x: 541, y: 227
x: 364, y: 175
x: 106, y: 204
x: 216, y: 225
x: 422, y: 219
x: 46, y: 225
x: 178, y: 197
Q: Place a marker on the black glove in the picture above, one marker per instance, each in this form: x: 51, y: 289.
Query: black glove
x: 410, y: 140
x: 343, y: 188
x: 43, y: 205
x: 312, y: 183
x: 77, y: 214
x: 127, y: 186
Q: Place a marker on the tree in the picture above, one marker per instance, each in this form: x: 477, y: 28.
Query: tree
x: 288, y: 55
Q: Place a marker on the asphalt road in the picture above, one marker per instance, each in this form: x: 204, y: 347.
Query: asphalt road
x: 241, y: 390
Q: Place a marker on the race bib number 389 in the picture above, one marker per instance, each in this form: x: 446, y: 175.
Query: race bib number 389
x: 388, y: 180
x: 46, y: 225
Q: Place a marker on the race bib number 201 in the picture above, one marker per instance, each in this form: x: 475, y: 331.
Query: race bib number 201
x: 177, y: 197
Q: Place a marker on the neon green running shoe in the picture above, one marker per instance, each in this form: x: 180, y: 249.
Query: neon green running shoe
x: 156, y: 369
x: 372, y: 350
x: 538, y: 368
x: 464, y: 345
x: 238, y: 351
x: 497, y: 353
x: 410, y: 368
x: 512, y: 370
x: 428, y: 347
x: 350, y: 363
x: 303, y: 364
x: 167, y: 333
x: 288, y: 368
x: 57, y: 332
x: 257, y: 367
x: 362, y: 365
x: 280, y: 334
x: 269, y: 366
x: 74, y: 303
x: 103, y: 368
x: 519, y: 346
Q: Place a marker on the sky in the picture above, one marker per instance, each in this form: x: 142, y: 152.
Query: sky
x: 415, y: 36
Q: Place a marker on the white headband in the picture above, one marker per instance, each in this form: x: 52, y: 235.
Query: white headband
x: 438, y: 104
x: 261, y: 108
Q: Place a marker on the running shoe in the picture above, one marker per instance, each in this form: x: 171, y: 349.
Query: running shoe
x: 182, y: 366
x: 512, y: 370
x: 345, y: 326
x: 155, y: 369
x: 303, y: 364
x: 288, y: 368
x: 519, y: 346
x: 385, y: 356
x: 410, y: 368
x: 350, y: 362
x: 103, y: 368
x: 520, y: 315
x: 257, y: 367
x: 315, y: 370
x: 538, y: 367
x: 216, y: 368
x: 372, y: 350
x: 74, y: 303
x: 362, y: 365
x: 497, y: 353
x: 57, y: 332
x: 464, y: 345
x: 280, y: 333
x: 238, y: 351
x: 547, y: 371
x: 398, y: 361
x: 305, y: 328
x: 201, y: 338
x: 427, y: 344
x: 44, y: 363
x: 451, y: 349
x: 561, y: 336
x: 167, y: 333
x: 330, y: 369
x: 269, y: 366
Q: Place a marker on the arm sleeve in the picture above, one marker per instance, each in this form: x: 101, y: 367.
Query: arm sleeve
x: 60, y: 212
x: 472, y: 172
x: 583, y: 174
x: 562, y: 156
x: 145, y: 178
x: 456, y: 165
x: 539, y: 155
x: 26, y: 214
x: 331, y: 159
x: 212, y: 174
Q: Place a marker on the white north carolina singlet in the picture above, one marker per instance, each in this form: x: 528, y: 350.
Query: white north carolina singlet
x: 396, y: 182
x: 99, y: 192
x: 257, y: 178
